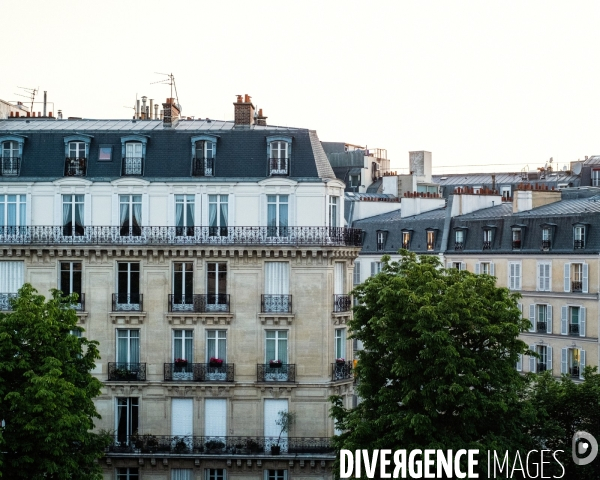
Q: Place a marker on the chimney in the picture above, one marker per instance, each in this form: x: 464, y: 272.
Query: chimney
x: 156, y: 111
x: 261, y: 119
x: 170, y: 113
x: 243, y: 111
x: 151, y: 108
x: 137, y: 109
x: 525, y: 198
x: 45, y: 101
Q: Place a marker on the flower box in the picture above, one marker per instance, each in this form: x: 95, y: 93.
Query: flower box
x: 275, y: 363
x: 340, y: 361
x: 215, y: 362
x: 181, y: 362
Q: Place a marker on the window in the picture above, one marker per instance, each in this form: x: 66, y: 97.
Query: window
x: 70, y: 280
x: 484, y: 268
x: 127, y: 422
x: 573, y: 362
x: 275, y: 474
x: 72, y: 215
x: 573, y: 320
x: 128, y: 286
x: 277, y: 215
x: 579, y: 237
x: 216, y: 285
x: 576, y: 277
x: 128, y: 473
x: 279, y: 160
x: 77, y: 150
x: 458, y: 265
x: 184, y: 215
x: 217, y: 215
x: 11, y: 279
x: 12, y: 212
x: 183, y: 286
x: 105, y: 153
x: 215, y: 421
x: 333, y: 211
x: 516, y: 238
x: 133, y: 162
x: 430, y: 240
x: 459, y: 237
x: 216, y: 345
x: 130, y: 215
x: 277, y: 287
x: 340, y: 343
x: 376, y: 267
x: 380, y: 240
x: 488, y: 236
x: 546, y: 238
x: 356, y: 273
x: 540, y: 317
x: 506, y: 192
x: 544, y: 277
x: 514, y: 275
x: 10, y: 158
x: 77, y: 153
x: 204, y: 158
x: 128, y: 348
x: 595, y: 178
x: 543, y: 362
x: 183, y: 345
x: 182, y: 474
x: 276, y: 346
x: 405, y: 240
x: 215, y: 474
x: 354, y: 180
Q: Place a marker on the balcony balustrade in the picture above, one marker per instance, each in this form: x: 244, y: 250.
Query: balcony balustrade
x: 546, y: 244
x: 516, y: 244
x: 578, y: 244
x: 127, y: 302
x: 341, y: 371
x: 458, y: 246
x: 126, y: 372
x: 275, y: 303
x: 342, y: 303
x: 4, y: 301
x: 75, y: 167
x: 199, y: 372
x: 132, y: 166
x: 138, y: 235
x: 574, y: 371
x: 199, y: 303
x: 573, y: 329
x: 285, y: 372
x: 487, y: 245
x: 203, y: 167
x: 10, y: 166
x: 542, y: 327
x: 279, y: 166
x: 576, y: 287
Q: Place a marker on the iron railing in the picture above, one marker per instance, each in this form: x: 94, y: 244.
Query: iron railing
x: 285, y: 372
x: 203, y: 167
x: 199, y: 303
x: 574, y: 371
x: 126, y: 372
x: 578, y: 244
x: 216, y: 445
x: 379, y: 246
x: 542, y: 327
x: 541, y: 367
x: 199, y: 372
x: 127, y: 302
x: 341, y: 371
x: 275, y: 303
x: 75, y: 167
x: 576, y: 287
x: 5, y: 301
x: 458, y: 246
x: 342, y: 303
x: 10, y: 166
x: 573, y: 329
x: 405, y: 245
x: 133, y: 166
x: 487, y: 245
x: 135, y: 235
x: 546, y: 244
x: 516, y: 244
x: 279, y: 166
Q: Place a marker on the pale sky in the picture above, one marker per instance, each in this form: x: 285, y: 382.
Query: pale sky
x: 477, y: 83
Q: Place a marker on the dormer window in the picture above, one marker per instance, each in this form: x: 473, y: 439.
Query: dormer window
x: 488, y: 237
x: 579, y: 237
x: 381, y: 237
x: 279, y: 154
x: 406, y: 240
x: 430, y: 240
x: 516, y: 238
x: 459, y: 239
x: 11, y: 150
x: 204, y: 152
x: 546, y: 235
x: 77, y: 149
x: 133, y: 149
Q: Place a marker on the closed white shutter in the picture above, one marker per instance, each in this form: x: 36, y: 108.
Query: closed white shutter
x: 356, y: 275
x: 373, y: 268
x: 549, y: 359
x: 547, y: 277
x: 549, y: 319
x: 564, y: 320
x: 582, y: 321
x: 449, y: 265
x: 532, y: 359
x: 272, y: 409
x: 477, y: 268
x: 277, y: 278
x: 532, y: 317
x: 11, y: 276
x: 564, y: 355
x: 517, y: 276
x: 519, y: 363
x: 581, y: 363
x: 463, y: 266
x: 338, y: 281
x: 215, y: 417
x: 567, y: 286
x: 182, y: 417
x: 584, y: 279
x: 492, y: 270
x: 540, y: 277
x: 520, y: 307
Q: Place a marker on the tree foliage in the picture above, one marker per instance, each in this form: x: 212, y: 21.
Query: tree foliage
x: 438, y: 366
x: 46, y: 391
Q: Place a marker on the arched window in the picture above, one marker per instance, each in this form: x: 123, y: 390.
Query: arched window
x: 204, y: 153
x: 77, y: 150
x: 279, y: 152
x: 11, y: 150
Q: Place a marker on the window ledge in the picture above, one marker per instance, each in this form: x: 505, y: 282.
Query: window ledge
x: 341, y: 318
x: 206, y: 318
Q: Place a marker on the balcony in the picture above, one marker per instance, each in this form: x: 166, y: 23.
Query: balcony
x: 199, y: 303
x: 516, y: 245
x: 4, y: 301
x: 10, y: 166
x: 75, y: 167
x: 285, y: 372
x: 574, y: 371
x: 341, y: 371
x: 192, y: 444
x: 542, y: 327
x: 487, y: 245
x: 275, y: 303
x: 126, y: 372
x: 199, y: 372
x: 546, y: 245
x: 279, y: 166
x: 203, y: 167
x: 578, y: 244
x: 342, y: 303
x: 161, y: 236
x: 576, y: 287
x: 573, y: 329
x: 458, y: 246
x: 80, y: 305
x: 541, y: 367
x: 127, y: 302
x: 132, y: 166
x: 405, y: 245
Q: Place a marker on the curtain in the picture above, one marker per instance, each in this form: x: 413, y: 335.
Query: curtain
x: 122, y: 346
x: 190, y: 213
x: 189, y: 347
x: 22, y: 210
x: 124, y: 213
x: 212, y: 212
x: 137, y: 214
x: 11, y: 276
x: 79, y: 211
x: 223, y: 346
x: 211, y: 347
x: 283, y: 214
x: 12, y: 210
x: 282, y: 347
x: 277, y: 278
x: 177, y: 344
x: 181, y: 474
x: 134, y: 354
x: 224, y: 210
x: 271, y: 215
x: 270, y: 347
x: 179, y: 214
x: 67, y: 214
x: 338, y: 274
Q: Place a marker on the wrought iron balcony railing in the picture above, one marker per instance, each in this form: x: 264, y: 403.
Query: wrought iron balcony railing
x: 516, y: 244
x: 577, y: 244
x: 487, y: 245
x: 136, y: 235
x: 215, y: 445
x: 341, y: 371
x: 203, y: 167
x: 4, y: 301
x: 199, y: 303
x: 576, y: 287
x: 275, y: 303
x: 199, y: 372
x: 10, y: 166
x: 379, y: 247
x: 541, y: 367
x: 458, y: 246
x: 75, y: 167
x: 285, y: 372
x: 133, y: 166
x: 542, y: 327
x: 342, y: 303
x: 546, y: 244
x: 127, y: 302
x: 574, y: 371
x: 573, y: 329
x: 80, y: 305
x: 279, y: 166
x: 405, y: 245
x: 126, y: 372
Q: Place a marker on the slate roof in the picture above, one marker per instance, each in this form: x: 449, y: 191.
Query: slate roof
x: 241, y: 152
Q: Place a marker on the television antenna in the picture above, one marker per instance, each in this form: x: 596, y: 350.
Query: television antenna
x: 30, y: 94
x: 170, y: 80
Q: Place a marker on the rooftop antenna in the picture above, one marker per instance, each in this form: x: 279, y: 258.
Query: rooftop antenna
x: 170, y: 80
x: 30, y: 94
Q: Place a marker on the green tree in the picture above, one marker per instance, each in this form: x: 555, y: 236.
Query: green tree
x: 438, y: 366
x: 46, y: 391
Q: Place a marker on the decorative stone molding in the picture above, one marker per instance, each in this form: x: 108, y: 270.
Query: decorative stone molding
x: 273, y: 318
x: 341, y: 318
x: 127, y: 318
x: 191, y: 318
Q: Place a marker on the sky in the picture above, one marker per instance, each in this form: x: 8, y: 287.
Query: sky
x: 484, y: 86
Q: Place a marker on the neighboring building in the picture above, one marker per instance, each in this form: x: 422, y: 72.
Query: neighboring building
x: 7, y: 108
x: 203, y: 252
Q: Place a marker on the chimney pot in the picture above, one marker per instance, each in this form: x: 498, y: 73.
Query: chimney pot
x: 17, y: 114
x: 50, y: 114
x: 247, y: 98
x: 28, y: 114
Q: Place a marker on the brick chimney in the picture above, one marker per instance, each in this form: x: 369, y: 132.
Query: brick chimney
x: 244, y: 111
x: 170, y: 113
x: 261, y: 119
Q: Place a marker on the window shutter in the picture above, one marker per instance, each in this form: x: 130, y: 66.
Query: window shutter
x: 182, y: 416
x: 564, y: 319
x: 549, y: 319
x: 215, y: 417
x: 584, y: 279
x: 463, y: 266
x: 477, y: 268
x: 511, y: 276
x: 549, y: 359
x: 582, y: 321
x: 582, y: 363
x: 532, y: 359
x: 532, y: 317
x: 564, y: 352
x: 540, y: 277
x: 517, y: 276
x: 519, y: 366
x: 449, y: 265
x: 492, y: 270
x: 567, y: 277
x: 547, y: 277
x: 520, y: 307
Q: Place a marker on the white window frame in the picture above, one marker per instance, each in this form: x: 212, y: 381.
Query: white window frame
x: 10, y: 149
x: 128, y: 405
x: 376, y: 267
x: 595, y: 177
x: 333, y: 217
x: 216, y: 341
x: 380, y: 241
x: 356, y: 273
x: 20, y: 205
x: 78, y: 150
x: 485, y: 268
x: 340, y: 343
x: 185, y: 201
x: 567, y: 363
x: 430, y: 244
x: 131, y: 201
x: 129, y: 334
x: 280, y: 202
x: 276, y: 475
x: 184, y: 337
x: 279, y: 336
x: 128, y: 475
x: 405, y: 240
x: 459, y: 236
x: 579, y: 235
x: 221, y: 204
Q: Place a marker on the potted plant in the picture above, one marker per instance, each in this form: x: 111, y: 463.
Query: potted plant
x: 284, y: 422
x: 215, y: 362
x: 123, y: 373
x: 181, y: 362
x: 180, y: 445
x: 213, y: 446
x: 340, y: 361
x: 252, y: 445
x: 275, y: 363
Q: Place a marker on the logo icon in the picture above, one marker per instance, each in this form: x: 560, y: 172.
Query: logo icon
x: 584, y: 444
